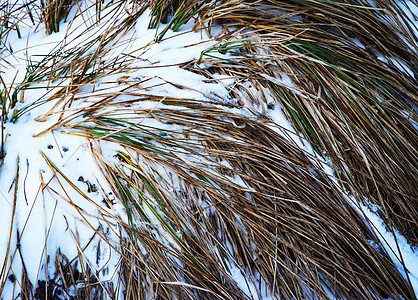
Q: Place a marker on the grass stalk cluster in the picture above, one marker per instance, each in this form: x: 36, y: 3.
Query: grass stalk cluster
x: 205, y: 190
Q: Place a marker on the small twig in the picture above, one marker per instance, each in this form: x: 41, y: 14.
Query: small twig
x: 24, y: 181
x: 2, y: 154
x: 27, y: 291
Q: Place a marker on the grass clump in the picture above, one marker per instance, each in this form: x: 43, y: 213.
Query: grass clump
x: 223, y: 205
x: 357, y: 108
x: 54, y: 11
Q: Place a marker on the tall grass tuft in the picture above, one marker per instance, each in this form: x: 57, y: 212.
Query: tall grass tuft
x: 219, y: 205
x: 286, y: 226
x: 54, y: 11
x: 353, y: 96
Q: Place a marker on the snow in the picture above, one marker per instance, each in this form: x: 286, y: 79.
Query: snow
x: 51, y: 218
x: 406, y: 253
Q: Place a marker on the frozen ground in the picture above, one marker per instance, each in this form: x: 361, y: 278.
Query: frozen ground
x: 41, y: 211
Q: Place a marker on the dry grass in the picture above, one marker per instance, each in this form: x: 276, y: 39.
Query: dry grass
x: 356, y: 108
x: 298, y: 239
x: 223, y: 191
x: 344, y: 100
x: 54, y: 11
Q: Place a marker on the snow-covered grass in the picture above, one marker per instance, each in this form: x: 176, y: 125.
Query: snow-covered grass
x: 226, y: 159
